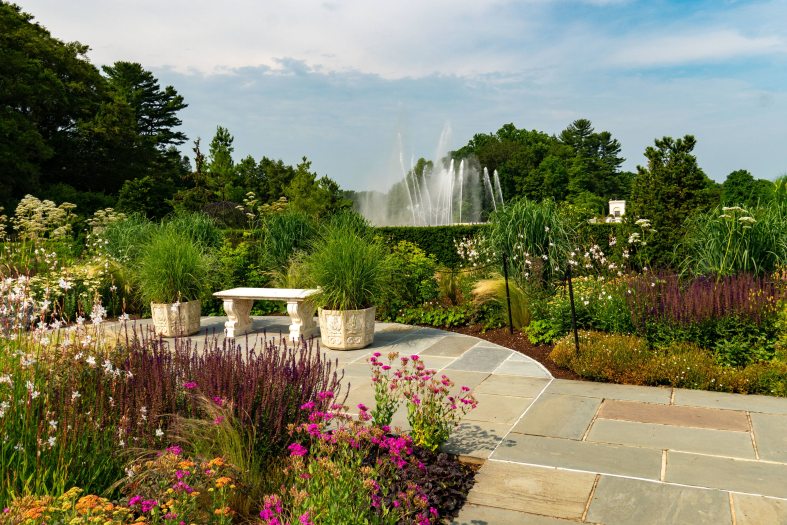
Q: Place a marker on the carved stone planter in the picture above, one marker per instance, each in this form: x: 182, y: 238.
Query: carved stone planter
x: 172, y: 320
x: 347, y: 329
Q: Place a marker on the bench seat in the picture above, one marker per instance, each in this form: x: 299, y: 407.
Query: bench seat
x: 238, y: 303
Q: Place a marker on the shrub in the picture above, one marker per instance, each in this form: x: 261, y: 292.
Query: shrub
x: 171, y: 269
x: 437, y: 316
x: 412, y: 279
x: 350, y: 269
x: 439, y: 241
x: 493, y: 291
x: 731, y: 240
x: 124, y: 240
x: 626, y: 359
x: 535, y: 237
x: 284, y: 234
x: 198, y: 227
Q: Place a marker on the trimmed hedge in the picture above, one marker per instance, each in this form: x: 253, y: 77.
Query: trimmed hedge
x: 439, y: 241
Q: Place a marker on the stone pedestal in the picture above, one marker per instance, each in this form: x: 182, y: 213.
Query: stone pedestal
x: 347, y: 329
x: 178, y: 319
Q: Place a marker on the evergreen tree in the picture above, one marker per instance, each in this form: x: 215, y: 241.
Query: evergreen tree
x: 667, y: 191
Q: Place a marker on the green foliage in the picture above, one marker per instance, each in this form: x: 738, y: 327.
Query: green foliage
x: 541, y: 331
x: 534, y: 236
x: 667, y: 191
x: 351, y: 270
x: 439, y: 241
x: 145, y: 195
x: 493, y: 291
x: 437, y: 316
x: 198, y: 227
x: 412, y: 280
x: 627, y: 360
x: 731, y: 240
x: 283, y: 235
x: 125, y: 239
x: 172, y: 268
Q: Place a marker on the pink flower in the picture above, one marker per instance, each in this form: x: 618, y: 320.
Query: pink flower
x: 327, y: 394
x: 219, y: 420
x: 219, y: 401
x: 296, y: 449
x: 304, y: 519
x: 308, y: 405
x: 135, y: 500
x: 148, y: 505
x: 190, y: 385
x: 362, y: 407
x: 175, y: 450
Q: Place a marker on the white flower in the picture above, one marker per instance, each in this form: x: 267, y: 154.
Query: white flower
x: 159, y: 433
x: 52, y: 424
x: 51, y: 441
x: 91, y: 360
x: 75, y: 395
x: 123, y: 318
x: 65, y: 285
x: 97, y: 314
x: 747, y: 220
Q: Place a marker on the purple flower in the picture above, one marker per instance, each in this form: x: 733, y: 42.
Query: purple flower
x: 148, y: 505
x: 362, y: 407
x: 175, y: 450
x: 135, y: 500
x: 190, y: 385
x: 296, y: 449
x: 308, y: 405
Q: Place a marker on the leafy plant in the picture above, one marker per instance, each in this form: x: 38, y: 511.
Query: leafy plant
x: 412, y: 280
x: 172, y: 268
x: 350, y: 269
x: 494, y: 290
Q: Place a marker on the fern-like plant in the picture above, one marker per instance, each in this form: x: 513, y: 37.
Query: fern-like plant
x: 172, y: 268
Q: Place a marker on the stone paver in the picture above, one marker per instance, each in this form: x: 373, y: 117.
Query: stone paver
x: 521, y: 367
x: 475, y: 438
x: 534, y: 490
x: 559, y: 416
x: 770, y: 434
x: 619, y: 501
x: 646, y: 394
x: 493, y: 408
x: 451, y: 346
x: 701, y: 398
x: 757, y: 510
x: 701, y: 440
x: 482, y: 515
x: 464, y: 378
x: 512, y: 385
x: 674, y: 415
x: 581, y: 455
x: 738, y: 475
x: 480, y: 359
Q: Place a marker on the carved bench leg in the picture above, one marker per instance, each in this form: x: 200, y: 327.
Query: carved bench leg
x: 238, y: 320
x: 302, y: 316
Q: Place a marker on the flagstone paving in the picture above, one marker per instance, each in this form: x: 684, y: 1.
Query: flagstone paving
x: 562, y: 452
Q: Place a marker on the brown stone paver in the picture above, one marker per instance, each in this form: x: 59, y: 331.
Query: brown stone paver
x: 759, y: 510
x: 674, y: 415
x: 750, y: 403
x: 533, y: 490
x: 647, y: 394
x: 663, y: 437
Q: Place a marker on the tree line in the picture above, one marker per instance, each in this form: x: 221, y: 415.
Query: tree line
x: 101, y: 137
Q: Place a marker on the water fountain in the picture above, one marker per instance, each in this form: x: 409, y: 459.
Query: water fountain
x: 435, y: 194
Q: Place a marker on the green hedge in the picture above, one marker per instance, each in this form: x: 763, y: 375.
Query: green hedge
x: 436, y: 240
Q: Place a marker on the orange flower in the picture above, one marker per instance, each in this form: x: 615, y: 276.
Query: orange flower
x: 222, y: 481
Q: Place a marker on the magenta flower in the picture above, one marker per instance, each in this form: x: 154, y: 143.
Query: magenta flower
x: 135, y: 500
x: 296, y: 449
x: 148, y: 505
x: 175, y: 450
x: 190, y: 385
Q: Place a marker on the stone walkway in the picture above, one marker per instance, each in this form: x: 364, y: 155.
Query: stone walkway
x: 562, y: 452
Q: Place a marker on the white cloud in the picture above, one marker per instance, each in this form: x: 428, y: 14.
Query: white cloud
x: 709, y: 46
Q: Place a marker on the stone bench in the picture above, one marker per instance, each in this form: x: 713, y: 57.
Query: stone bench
x: 238, y: 301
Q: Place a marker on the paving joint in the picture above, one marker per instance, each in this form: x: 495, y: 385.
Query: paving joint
x: 590, y: 498
x: 753, y: 440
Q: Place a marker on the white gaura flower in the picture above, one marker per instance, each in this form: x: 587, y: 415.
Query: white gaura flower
x: 159, y: 433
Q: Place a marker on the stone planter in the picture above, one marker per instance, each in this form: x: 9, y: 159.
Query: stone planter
x: 347, y: 329
x: 172, y: 320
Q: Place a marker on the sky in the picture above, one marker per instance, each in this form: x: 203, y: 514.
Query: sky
x: 355, y: 85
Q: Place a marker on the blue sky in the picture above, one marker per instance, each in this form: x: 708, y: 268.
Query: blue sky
x: 345, y: 82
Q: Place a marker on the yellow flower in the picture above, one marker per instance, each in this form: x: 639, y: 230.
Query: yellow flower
x: 216, y: 462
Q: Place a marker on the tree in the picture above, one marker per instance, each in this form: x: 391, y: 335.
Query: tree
x: 596, y: 162
x: 316, y: 197
x: 740, y: 188
x: 48, y: 88
x: 155, y: 110
x: 668, y: 190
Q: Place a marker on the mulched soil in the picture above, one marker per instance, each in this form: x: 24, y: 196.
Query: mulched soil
x: 520, y: 343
